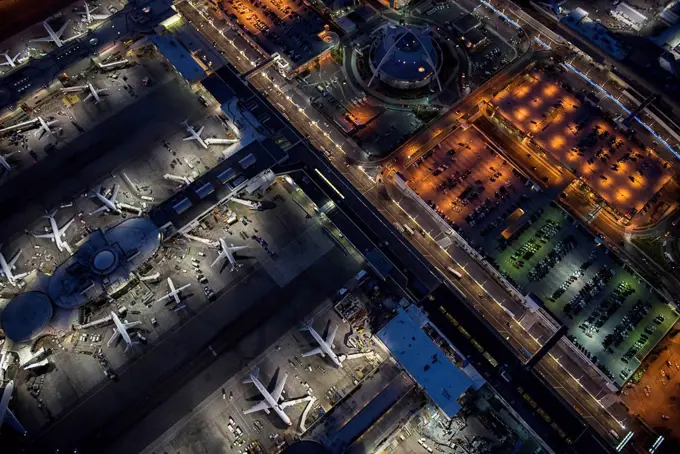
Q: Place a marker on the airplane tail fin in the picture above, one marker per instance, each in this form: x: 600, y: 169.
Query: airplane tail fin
x: 255, y: 374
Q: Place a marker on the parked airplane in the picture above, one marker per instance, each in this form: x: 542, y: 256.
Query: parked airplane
x: 109, y: 204
x: 7, y: 268
x: 173, y: 296
x: 95, y: 93
x: 43, y: 126
x: 6, y: 415
x: 55, y: 37
x: 325, y: 345
x: 196, y: 135
x: 3, y: 160
x: 226, y: 250
x: 121, y: 331
x: 271, y: 400
x: 90, y: 17
x: 12, y: 62
x: 58, y: 234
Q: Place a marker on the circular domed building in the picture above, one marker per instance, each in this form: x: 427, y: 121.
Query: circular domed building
x: 405, y: 57
x: 26, y: 315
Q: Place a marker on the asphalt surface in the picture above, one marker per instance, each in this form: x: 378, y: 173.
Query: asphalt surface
x: 175, y: 375
x: 92, y: 156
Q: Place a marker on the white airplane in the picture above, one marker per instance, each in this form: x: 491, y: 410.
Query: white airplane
x: 271, y: 400
x: 6, y: 415
x: 89, y: 17
x: 55, y: 37
x: 3, y: 160
x: 325, y: 345
x: 94, y: 92
x: 226, y: 250
x: 58, y: 234
x: 43, y: 126
x: 196, y: 135
x: 121, y: 331
x: 6, y: 268
x: 173, y: 296
x: 12, y: 62
x: 109, y: 204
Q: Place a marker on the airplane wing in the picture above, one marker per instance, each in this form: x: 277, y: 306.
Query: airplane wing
x: 14, y: 259
x: 88, y: 97
x: 164, y: 297
x: 63, y: 28
x: 45, y: 39
x: 189, y: 138
x: 44, y: 235
x: 278, y: 389
x: 331, y: 336
x: 221, y: 256
x: 100, y: 209
x: 13, y: 421
x: 129, y: 325
x: 262, y: 406
x: 66, y: 226
x: 237, y: 248
x: 200, y: 131
x: 183, y: 287
x: 114, y: 337
x: 115, y: 193
x: 316, y: 351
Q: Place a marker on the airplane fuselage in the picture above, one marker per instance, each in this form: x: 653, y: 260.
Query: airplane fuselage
x: 325, y: 348
x: 107, y: 203
x: 227, y: 252
x: 121, y: 329
x: 271, y: 401
x: 55, y: 232
x: 53, y: 35
x: 6, y: 270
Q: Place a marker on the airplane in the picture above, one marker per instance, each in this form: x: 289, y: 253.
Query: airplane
x: 6, y: 268
x: 6, y: 415
x: 3, y: 160
x: 55, y: 37
x: 94, y: 92
x: 43, y: 126
x: 121, y: 331
x: 196, y: 135
x: 58, y: 234
x: 89, y: 17
x: 173, y: 296
x: 109, y: 204
x: 271, y: 400
x: 12, y: 62
x: 226, y: 251
x: 325, y: 345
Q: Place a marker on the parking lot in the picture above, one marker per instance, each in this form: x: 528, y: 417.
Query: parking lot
x: 471, y: 186
x: 653, y: 393
x: 288, y: 27
x: 621, y: 171
x: 611, y: 313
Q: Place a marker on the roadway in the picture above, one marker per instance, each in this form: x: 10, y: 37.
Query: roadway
x: 477, y: 286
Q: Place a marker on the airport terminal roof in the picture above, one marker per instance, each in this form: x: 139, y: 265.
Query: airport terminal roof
x: 103, y: 259
x: 216, y: 185
x: 179, y: 57
x: 426, y: 363
x: 26, y: 316
x: 306, y: 447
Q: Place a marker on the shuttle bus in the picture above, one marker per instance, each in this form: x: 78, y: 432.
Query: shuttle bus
x: 455, y: 273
